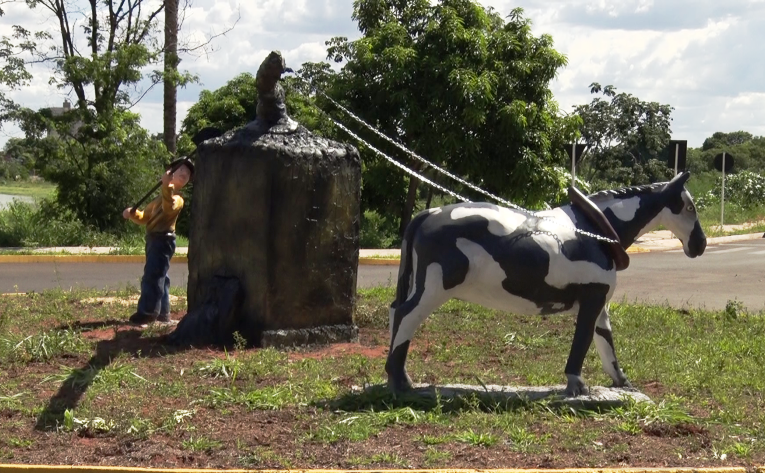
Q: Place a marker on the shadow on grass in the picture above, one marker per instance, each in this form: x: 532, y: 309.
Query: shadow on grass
x: 88, y: 326
x: 379, y: 398
x: 455, y: 399
x: 77, y: 384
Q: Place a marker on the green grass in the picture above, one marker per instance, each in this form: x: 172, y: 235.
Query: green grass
x: 201, y: 444
x: 734, y: 215
x: 136, y: 245
x: 126, y: 246
x: 28, y: 188
x: 435, y: 457
x: 273, y: 408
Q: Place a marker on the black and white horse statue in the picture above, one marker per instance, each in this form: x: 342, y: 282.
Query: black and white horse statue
x: 508, y: 260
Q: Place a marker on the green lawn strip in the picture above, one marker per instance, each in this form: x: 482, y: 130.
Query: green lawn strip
x: 131, y: 246
x: 734, y: 215
x: 26, y: 188
x: 702, y: 369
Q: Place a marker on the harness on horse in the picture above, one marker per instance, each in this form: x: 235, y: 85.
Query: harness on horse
x: 595, y: 217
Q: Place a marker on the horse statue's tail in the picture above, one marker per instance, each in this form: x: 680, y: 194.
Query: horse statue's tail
x: 405, y: 269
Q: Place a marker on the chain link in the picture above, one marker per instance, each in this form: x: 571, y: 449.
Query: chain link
x: 399, y: 165
x: 443, y: 171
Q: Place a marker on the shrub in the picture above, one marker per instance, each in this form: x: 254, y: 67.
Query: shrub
x: 377, y: 232
x: 46, y: 224
x: 746, y: 189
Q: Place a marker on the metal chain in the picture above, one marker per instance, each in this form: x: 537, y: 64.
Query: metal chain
x: 417, y: 156
x: 399, y: 165
x: 443, y: 171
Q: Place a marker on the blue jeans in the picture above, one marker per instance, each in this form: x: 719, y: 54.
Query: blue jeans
x: 155, y: 284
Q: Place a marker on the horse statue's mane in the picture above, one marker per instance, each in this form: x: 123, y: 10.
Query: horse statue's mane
x: 625, y: 192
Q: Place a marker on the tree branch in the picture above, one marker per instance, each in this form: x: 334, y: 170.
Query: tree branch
x: 147, y: 23
x: 211, y: 38
x: 153, y: 83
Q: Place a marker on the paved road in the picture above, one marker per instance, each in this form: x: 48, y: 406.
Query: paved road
x: 724, y: 272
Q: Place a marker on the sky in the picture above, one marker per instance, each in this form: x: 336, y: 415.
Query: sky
x: 702, y: 57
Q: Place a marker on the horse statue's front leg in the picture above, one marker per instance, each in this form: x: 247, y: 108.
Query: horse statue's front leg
x: 591, y: 303
x: 604, y: 341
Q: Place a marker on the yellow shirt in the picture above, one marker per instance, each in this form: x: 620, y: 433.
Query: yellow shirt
x: 161, y: 213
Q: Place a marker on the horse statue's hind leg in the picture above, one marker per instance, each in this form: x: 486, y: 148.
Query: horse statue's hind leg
x: 591, y: 304
x: 604, y: 341
x: 407, y: 315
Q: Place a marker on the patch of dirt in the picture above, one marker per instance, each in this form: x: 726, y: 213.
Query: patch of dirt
x: 279, y: 439
x: 340, y: 349
x: 126, y: 301
x: 115, y: 329
x: 679, y: 430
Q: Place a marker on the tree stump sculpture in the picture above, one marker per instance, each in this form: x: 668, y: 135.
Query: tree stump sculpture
x: 274, y: 237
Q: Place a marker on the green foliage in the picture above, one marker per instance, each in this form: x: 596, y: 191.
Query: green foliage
x: 377, y: 231
x: 722, y: 140
x: 744, y: 189
x: 226, y: 108
x: 13, y: 171
x: 458, y: 84
x: 98, y: 178
x: 627, y: 137
x: 734, y: 308
x: 24, y: 224
x: 233, y: 106
x: 13, y: 72
x: 96, y: 153
x: 748, y: 152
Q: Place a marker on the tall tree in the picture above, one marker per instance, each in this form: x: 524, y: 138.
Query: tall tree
x: 458, y: 84
x: 96, y: 153
x: 720, y: 139
x: 626, y: 136
x: 13, y: 73
x: 748, y: 151
x: 171, y: 69
x: 107, y: 54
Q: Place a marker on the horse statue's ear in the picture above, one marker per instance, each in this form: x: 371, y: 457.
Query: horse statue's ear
x: 680, y: 179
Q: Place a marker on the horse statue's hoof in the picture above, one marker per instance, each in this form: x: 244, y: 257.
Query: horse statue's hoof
x: 399, y: 384
x: 576, y: 386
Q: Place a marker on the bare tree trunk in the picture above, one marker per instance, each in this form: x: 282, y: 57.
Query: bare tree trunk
x: 411, y: 197
x: 171, y: 69
x: 430, y: 198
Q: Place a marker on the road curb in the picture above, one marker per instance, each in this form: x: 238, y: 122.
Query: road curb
x: 379, y: 261
x: 9, y: 468
x: 645, y: 247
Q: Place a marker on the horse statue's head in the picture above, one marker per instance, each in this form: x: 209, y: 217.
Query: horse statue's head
x: 680, y: 217
x: 634, y: 211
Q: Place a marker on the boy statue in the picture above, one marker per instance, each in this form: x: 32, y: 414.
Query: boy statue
x: 160, y: 216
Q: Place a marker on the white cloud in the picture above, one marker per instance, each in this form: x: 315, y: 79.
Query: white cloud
x: 700, y: 56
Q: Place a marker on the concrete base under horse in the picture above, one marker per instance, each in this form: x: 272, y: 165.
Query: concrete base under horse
x: 599, y: 397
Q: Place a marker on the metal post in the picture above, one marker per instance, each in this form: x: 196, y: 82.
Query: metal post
x: 722, y: 200
x: 677, y: 150
x: 573, y: 164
